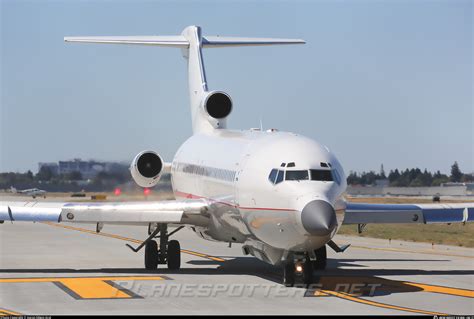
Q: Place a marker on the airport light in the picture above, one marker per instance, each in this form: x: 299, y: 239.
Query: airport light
x: 146, y: 191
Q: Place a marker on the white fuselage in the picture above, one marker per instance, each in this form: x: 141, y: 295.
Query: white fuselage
x: 232, y: 168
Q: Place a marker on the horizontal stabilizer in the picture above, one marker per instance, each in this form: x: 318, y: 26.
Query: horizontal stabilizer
x: 219, y: 42
x: 177, y: 41
x: 180, y: 41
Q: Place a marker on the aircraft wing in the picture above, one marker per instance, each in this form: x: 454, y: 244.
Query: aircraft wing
x: 361, y: 213
x: 168, y: 211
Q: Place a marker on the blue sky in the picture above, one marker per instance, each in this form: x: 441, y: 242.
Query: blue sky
x: 378, y: 81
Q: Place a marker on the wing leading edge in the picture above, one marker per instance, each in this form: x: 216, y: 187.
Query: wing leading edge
x: 171, y: 211
x: 362, y: 213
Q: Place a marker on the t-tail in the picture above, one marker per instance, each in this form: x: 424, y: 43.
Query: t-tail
x: 209, y: 109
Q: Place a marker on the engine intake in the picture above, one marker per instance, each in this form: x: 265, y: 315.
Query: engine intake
x: 218, y: 105
x: 146, y: 168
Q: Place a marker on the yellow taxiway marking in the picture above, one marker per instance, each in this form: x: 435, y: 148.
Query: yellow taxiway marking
x: 7, y: 313
x: 320, y: 293
x: 136, y: 241
x: 331, y: 283
x: 54, y: 279
x: 443, y: 290
x: 88, y: 287
x: 346, y: 296
x: 91, y: 288
x: 202, y: 255
x: 425, y: 252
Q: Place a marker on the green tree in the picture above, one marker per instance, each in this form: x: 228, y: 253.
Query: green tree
x: 456, y: 173
x: 44, y: 174
x: 382, y: 173
x: 353, y: 178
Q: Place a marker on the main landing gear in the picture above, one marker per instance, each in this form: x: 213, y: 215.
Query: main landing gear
x: 167, y: 252
x: 299, y: 269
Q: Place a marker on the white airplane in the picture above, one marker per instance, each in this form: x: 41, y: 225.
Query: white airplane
x: 30, y: 192
x: 279, y: 194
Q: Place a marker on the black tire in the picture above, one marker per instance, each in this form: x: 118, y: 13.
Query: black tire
x: 321, y: 258
x: 308, y: 272
x: 174, y: 255
x: 289, y: 274
x: 151, y: 255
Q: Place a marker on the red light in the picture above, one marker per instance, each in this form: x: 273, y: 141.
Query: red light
x: 117, y: 191
x: 146, y: 191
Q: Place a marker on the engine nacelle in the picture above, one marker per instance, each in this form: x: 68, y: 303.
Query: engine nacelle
x: 217, y: 105
x: 146, y: 168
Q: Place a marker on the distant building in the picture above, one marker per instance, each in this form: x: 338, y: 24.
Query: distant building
x: 469, y: 186
x: 453, y: 184
x: 88, y: 169
x: 53, y: 167
x: 382, y: 182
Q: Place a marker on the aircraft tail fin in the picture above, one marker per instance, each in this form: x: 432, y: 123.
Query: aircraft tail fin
x: 191, y: 41
x: 13, y: 189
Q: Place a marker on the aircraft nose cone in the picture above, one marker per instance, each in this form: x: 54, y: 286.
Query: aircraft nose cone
x: 318, y: 218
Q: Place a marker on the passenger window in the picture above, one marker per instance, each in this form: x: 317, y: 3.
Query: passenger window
x: 272, y: 176
x: 296, y: 175
x: 324, y: 175
x: 279, y: 178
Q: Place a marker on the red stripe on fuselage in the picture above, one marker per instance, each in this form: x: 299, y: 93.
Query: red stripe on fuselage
x: 188, y: 195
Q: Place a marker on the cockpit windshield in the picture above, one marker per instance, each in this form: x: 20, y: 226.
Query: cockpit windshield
x: 296, y: 175
x: 323, y: 175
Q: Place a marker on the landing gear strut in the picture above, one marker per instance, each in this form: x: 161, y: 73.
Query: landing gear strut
x: 321, y: 258
x: 289, y: 274
x: 299, y: 269
x: 168, y: 252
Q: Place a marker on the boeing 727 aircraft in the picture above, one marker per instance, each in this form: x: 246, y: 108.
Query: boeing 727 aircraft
x: 279, y: 194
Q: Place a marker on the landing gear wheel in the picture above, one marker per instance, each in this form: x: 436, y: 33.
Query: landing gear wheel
x: 174, y: 255
x: 151, y: 255
x: 321, y: 258
x: 289, y: 274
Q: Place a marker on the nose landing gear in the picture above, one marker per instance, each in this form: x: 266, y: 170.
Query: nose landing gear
x: 298, y: 270
x: 321, y: 258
